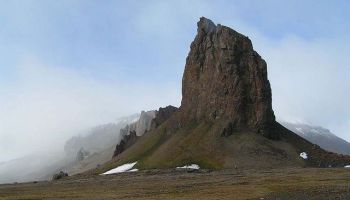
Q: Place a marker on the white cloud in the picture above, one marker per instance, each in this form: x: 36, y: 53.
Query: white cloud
x: 48, y: 104
x: 310, y: 80
x: 309, y: 77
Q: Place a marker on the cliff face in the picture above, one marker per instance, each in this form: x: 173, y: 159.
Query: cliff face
x: 131, y: 132
x: 144, y: 123
x: 141, y: 125
x: 226, y: 102
x: 225, y: 78
x: 162, y: 115
x: 125, y: 143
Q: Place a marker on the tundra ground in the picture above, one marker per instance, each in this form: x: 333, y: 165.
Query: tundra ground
x: 292, y: 183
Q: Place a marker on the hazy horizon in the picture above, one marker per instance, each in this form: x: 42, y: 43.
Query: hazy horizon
x: 67, y: 66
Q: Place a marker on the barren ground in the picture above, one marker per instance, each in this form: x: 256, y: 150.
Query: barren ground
x: 171, y: 184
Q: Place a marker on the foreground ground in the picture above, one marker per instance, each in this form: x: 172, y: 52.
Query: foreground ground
x: 172, y: 184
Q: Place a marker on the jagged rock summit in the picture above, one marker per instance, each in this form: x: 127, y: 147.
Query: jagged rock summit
x: 225, y: 79
x: 225, y: 119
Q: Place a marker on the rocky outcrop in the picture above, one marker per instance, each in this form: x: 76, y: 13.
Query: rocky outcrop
x: 82, y: 154
x: 142, y: 125
x: 125, y: 143
x: 59, y: 175
x: 148, y: 120
x: 145, y: 121
x: 226, y: 101
x: 162, y: 115
x: 131, y: 132
x: 225, y: 79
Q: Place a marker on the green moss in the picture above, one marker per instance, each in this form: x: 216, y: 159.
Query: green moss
x: 148, y: 155
x: 151, y: 146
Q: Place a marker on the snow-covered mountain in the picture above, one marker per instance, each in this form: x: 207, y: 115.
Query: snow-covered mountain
x: 320, y: 136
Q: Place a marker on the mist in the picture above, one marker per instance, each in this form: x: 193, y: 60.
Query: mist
x: 310, y: 82
x: 47, y: 105
x: 305, y: 46
x: 95, y: 63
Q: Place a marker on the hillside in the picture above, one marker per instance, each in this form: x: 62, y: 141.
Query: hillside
x: 225, y: 119
x: 320, y: 136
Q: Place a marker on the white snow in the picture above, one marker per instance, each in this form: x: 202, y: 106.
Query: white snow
x: 133, y: 170
x: 347, y: 166
x: 123, y: 168
x: 192, y: 166
x: 303, y: 155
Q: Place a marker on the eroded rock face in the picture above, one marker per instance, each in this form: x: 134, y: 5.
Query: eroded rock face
x: 145, y: 121
x: 125, y: 143
x: 142, y: 125
x: 162, y: 115
x: 225, y: 79
x: 131, y: 132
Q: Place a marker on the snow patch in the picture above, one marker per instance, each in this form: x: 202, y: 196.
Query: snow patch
x: 347, y: 166
x: 192, y: 166
x: 303, y: 155
x: 123, y: 168
x: 133, y: 170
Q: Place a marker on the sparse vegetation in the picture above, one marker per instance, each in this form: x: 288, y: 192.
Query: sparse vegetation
x: 288, y: 183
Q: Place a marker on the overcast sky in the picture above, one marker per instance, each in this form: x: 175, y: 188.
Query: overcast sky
x: 68, y: 65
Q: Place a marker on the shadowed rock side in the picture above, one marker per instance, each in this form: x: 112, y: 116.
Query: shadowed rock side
x: 125, y: 143
x: 162, y: 115
x: 225, y: 119
x: 225, y: 79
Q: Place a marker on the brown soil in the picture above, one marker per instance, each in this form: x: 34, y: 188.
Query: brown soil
x: 292, y: 183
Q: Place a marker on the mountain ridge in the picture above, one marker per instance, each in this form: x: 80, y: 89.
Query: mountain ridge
x: 225, y: 119
x: 320, y: 136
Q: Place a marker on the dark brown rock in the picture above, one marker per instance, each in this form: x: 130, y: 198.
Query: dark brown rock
x: 162, y: 115
x: 226, y: 101
x: 225, y: 78
x: 125, y: 143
